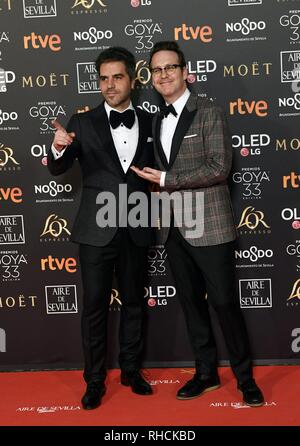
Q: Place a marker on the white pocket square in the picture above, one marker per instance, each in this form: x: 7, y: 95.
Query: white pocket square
x: 191, y: 136
x: 149, y: 139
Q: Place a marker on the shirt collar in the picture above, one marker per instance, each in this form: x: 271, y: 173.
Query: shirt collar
x: 181, y: 101
x: 108, y: 108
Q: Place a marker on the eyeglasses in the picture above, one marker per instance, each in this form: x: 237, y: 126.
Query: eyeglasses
x: 168, y: 69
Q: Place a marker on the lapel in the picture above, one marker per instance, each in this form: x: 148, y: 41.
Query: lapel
x: 102, y: 128
x: 141, y: 140
x: 184, y: 122
x: 156, y: 133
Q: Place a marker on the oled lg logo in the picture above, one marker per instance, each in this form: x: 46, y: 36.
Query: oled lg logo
x: 289, y: 214
x: 137, y: 3
x: 158, y: 295
x: 250, y: 144
x: 199, y: 70
x: 6, y: 77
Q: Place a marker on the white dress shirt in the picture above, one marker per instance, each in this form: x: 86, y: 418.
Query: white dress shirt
x: 168, y: 127
x: 125, y: 140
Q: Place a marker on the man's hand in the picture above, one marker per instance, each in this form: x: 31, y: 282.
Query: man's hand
x: 61, y: 138
x: 147, y: 173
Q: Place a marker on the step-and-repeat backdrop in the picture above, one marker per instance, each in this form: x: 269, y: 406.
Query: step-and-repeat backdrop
x: 244, y: 55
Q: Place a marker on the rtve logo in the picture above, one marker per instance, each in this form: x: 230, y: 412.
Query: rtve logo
x: 260, y: 108
x: 203, y: 33
x: 52, y: 41
x: 293, y: 179
x: 53, y: 263
x: 13, y: 194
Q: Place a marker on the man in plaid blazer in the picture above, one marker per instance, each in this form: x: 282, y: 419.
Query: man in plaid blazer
x: 193, y: 155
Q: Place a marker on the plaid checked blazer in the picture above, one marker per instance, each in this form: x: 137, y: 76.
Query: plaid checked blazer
x: 200, y: 162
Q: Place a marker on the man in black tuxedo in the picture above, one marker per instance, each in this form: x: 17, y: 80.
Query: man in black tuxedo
x: 106, y: 141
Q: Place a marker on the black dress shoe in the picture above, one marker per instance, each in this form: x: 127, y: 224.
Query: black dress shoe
x: 198, y: 385
x: 93, y: 395
x: 252, y: 395
x: 138, y: 384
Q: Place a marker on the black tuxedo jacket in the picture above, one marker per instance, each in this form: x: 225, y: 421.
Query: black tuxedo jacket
x: 102, y: 172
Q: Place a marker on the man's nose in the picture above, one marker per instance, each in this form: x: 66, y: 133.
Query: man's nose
x: 111, y: 82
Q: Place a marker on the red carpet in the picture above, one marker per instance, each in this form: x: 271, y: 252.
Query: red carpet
x: 53, y: 399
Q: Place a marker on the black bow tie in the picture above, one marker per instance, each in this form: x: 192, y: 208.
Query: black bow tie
x: 116, y: 118
x: 166, y: 109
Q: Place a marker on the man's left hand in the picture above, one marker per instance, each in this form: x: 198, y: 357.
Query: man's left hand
x: 147, y: 173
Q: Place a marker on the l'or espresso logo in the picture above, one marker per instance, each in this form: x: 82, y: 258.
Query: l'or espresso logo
x: 293, y: 250
x: 89, y: 7
x: 39, y: 8
x: 11, y: 194
x: 244, y: 107
x: 252, y: 180
x: 46, y: 112
x: 48, y: 80
x: 37, y: 41
x: 253, y: 222
x: 18, y: 302
x: 250, y: 145
x: 291, y: 22
x: 159, y: 295
x: 254, y: 69
x: 144, y: 31
x: 287, y: 144
x: 115, y: 300
x: 12, y: 230
x: 255, y: 293
x: 87, y: 78
x: 61, y: 299
x: 11, y: 265
x: 8, y: 161
x: 157, y: 256
x: 55, y: 229
x: 291, y: 181
x: 68, y: 264
x: 203, y: 33
x: 294, y: 298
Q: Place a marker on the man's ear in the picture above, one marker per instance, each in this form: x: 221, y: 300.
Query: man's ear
x: 185, y: 73
x: 132, y: 84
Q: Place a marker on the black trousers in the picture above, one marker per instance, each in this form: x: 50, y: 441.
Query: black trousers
x: 210, y: 269
x: 97, y: 267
